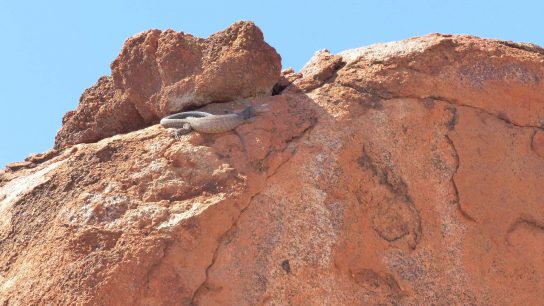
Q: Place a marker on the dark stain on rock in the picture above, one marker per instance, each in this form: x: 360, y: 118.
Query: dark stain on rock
x: 454, y: 118
x: 504, y: 117
x: 428, y: 103
x: 286, y: 266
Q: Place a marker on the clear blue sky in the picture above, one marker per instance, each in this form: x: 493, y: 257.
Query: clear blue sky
x: 52, y: 50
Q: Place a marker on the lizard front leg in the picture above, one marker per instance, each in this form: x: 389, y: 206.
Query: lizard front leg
x: 182, y: 131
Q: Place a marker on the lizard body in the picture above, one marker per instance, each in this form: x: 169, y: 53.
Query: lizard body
x: 205, y: 122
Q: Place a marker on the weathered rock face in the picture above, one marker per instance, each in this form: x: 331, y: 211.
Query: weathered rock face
x: 409, y: 173
x: 158, y: 73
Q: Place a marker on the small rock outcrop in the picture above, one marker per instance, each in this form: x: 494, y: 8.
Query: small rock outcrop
x: 162, y: 72
x: 406, y: 173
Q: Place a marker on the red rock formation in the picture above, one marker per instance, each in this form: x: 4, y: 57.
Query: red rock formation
x: 408, y: 173
x: 158, y: 73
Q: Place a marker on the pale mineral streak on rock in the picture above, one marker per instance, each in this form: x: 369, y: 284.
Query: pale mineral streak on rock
x: 404, y: 173
x: 385, y: 51
x: 22, y: 185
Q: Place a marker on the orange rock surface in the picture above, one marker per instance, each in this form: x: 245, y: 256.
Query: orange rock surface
x: 406, y: 173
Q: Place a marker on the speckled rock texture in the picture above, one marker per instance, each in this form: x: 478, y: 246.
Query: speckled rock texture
x: 162, y: 72
x: 406, y: 173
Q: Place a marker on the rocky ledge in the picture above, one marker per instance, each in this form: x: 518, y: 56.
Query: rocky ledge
x: 406, y: 173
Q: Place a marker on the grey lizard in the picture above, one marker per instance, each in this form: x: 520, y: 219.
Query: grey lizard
x: 208, y: 123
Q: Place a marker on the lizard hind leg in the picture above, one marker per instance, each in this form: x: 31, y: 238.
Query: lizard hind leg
x: 182, y: 131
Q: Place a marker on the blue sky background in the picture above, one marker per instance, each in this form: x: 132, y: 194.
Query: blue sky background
x: 52, y: 50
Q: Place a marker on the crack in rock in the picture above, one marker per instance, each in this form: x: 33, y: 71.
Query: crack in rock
x: 454, y: 184
x: 399, y: 189
x: 526, y: 221
x: 234, y: 225
x: 389, y: 96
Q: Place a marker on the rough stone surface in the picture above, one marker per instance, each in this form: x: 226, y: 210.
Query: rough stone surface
x: 321, y: 67
x: 408, y: 173
x: 161, y: 72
